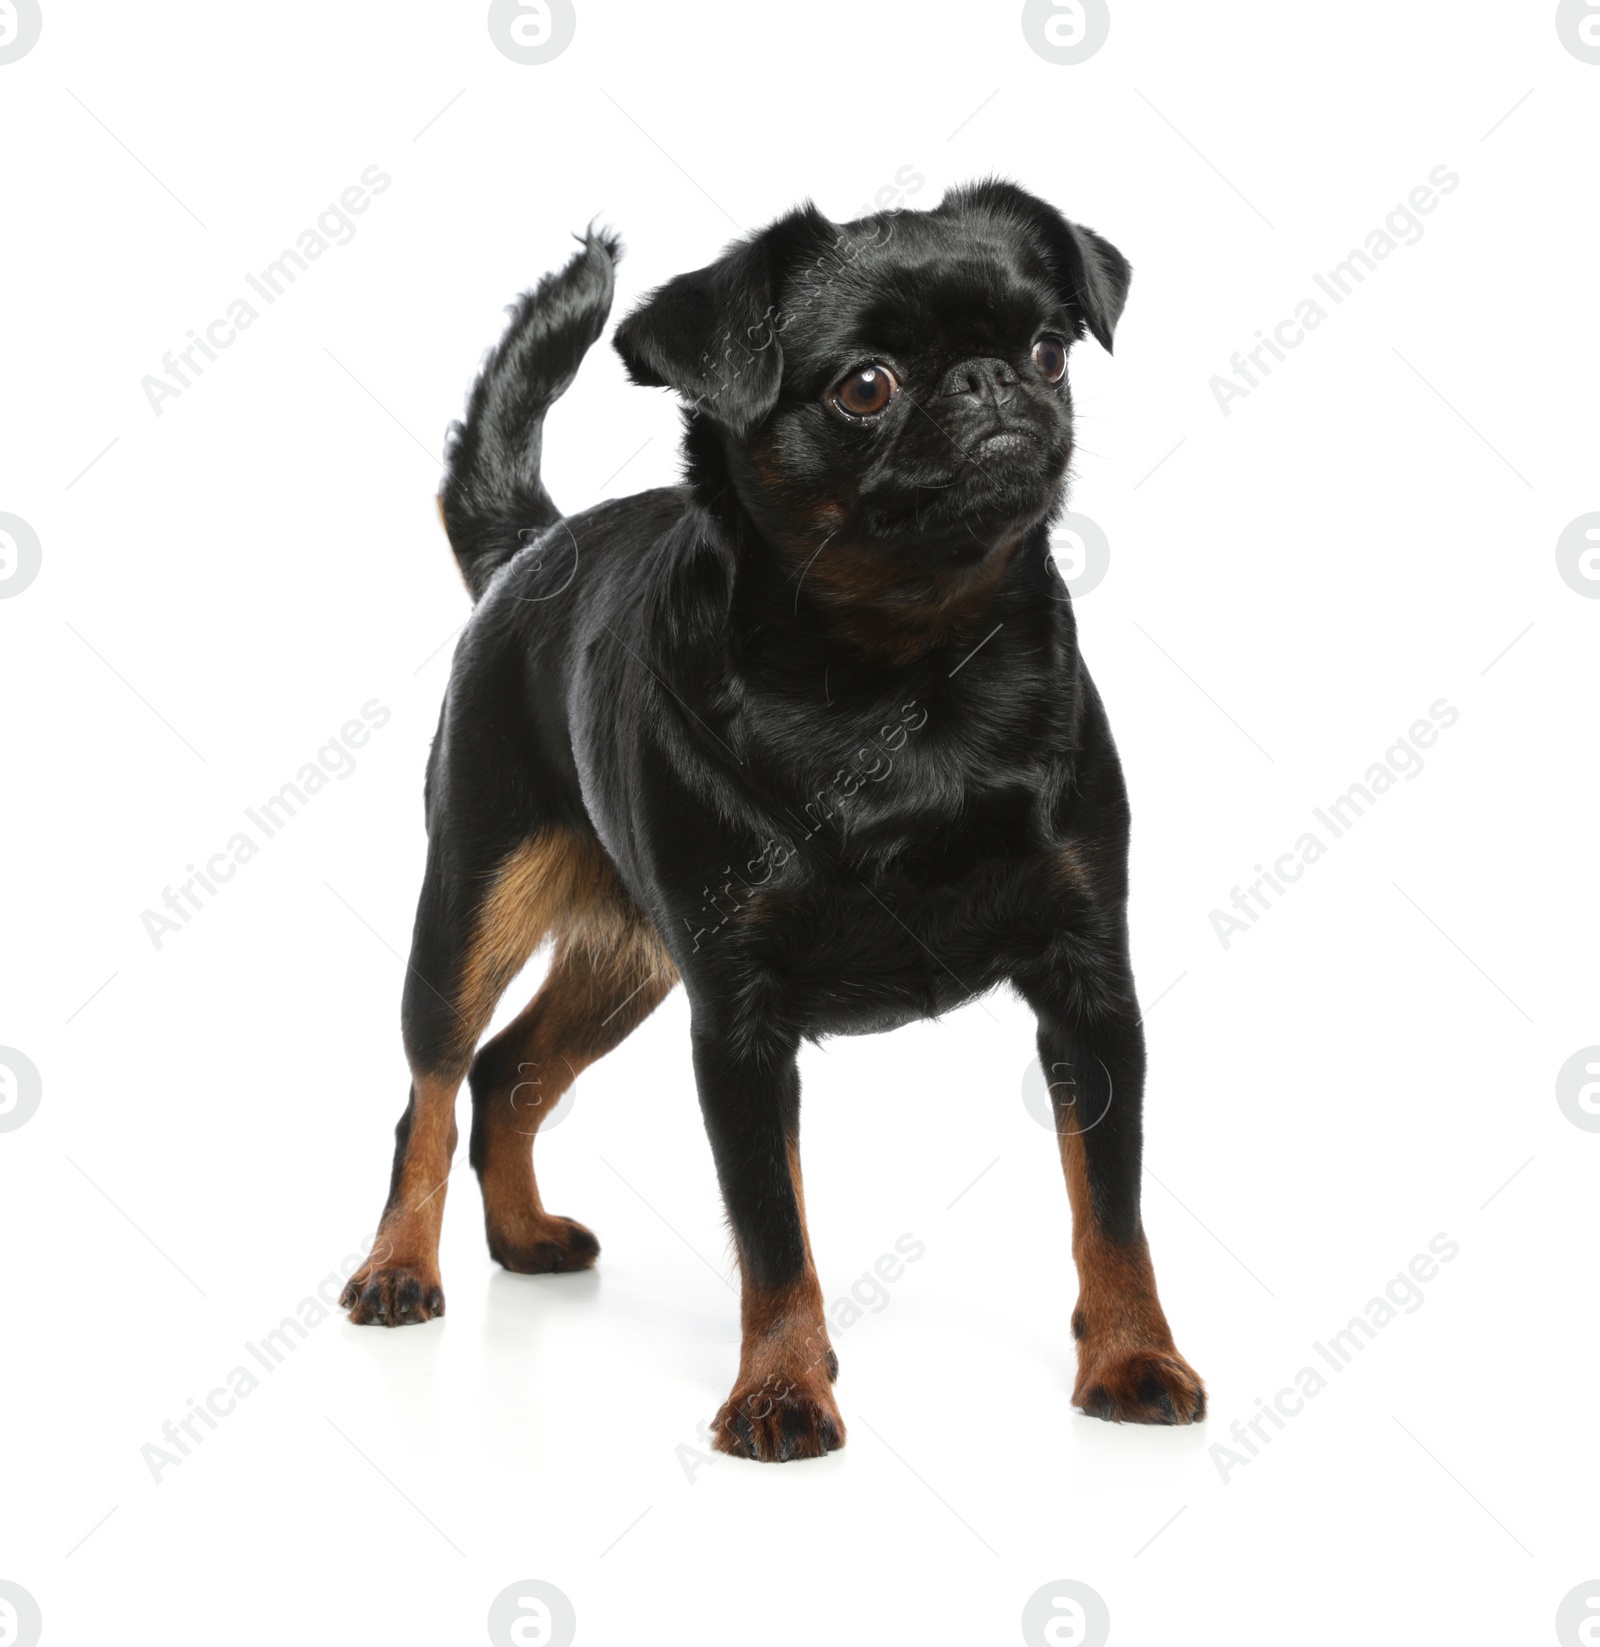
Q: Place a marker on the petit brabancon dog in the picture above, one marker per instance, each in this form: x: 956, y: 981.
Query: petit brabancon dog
x: 810, y: 732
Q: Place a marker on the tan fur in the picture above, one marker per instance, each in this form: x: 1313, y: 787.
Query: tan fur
x: 786, y: 1365
x: 1071, y: 867
x: 610, y: 969
x: 608, y: 974
x: 554, y: 877
x: 1125, y: 1346
x: 874, y: 604
x: 401, y: 1274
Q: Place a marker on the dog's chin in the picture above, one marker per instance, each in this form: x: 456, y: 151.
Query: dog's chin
x: 1006, y: 484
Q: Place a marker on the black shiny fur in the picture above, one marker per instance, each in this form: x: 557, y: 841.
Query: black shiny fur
x: 822, y: 705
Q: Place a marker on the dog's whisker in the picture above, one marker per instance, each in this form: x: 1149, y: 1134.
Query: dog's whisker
x: 807, y: 567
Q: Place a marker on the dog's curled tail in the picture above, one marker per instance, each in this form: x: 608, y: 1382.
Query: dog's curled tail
x: 493, y: 499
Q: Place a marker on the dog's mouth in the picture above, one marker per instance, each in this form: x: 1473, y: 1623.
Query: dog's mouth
x: 1009, y: 444
x: 982, y: 483
x: 1010, y: 459
x: 1004, y: 443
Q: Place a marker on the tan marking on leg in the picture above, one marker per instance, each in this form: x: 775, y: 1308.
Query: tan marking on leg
x: 399, y: 1282
x: 782, y: 1405
x: 609, y: 972
x: 1129, y: 1368
x: 556, y: 879
x: 543, y: 883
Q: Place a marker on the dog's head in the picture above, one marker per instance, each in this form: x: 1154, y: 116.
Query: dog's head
x: 894, y: 386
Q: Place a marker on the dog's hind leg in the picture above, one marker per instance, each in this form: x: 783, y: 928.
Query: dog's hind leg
x: 477, y: 924
x: 609, y: 973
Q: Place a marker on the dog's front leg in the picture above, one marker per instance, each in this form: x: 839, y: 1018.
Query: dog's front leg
x: 782, y: 1404
x: 1091, y: 1044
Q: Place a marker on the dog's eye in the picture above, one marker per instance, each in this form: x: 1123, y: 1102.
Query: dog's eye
x: 1050, y: 356
x: 865, y: 392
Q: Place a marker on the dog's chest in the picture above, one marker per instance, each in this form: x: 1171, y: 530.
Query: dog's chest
x: 874, y: 915
x: 904, y: 843
x: 923, y: 777
x: 852, y: 952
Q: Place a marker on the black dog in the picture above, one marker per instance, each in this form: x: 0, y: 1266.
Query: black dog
x: 810, y: 731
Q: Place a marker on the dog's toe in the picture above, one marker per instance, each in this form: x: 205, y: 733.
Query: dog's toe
x: 794, y: 1422
x: 397, y: 1295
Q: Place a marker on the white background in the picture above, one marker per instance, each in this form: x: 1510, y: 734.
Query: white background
x: 1289, y: 590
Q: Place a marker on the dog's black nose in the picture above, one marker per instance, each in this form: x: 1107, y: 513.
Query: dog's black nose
x: 988, y: 379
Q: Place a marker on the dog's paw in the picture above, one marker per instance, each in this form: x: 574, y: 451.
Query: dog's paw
x: 1141, y: 1387
x: 549, y: 1246
x: 776, y: 1421
x: 393, y: 1295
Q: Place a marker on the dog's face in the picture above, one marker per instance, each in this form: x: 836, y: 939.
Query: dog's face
x: 897, y: 386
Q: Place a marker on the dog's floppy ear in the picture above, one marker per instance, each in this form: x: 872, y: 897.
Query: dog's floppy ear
x: 1091, y: 274
x: 713, y: 335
